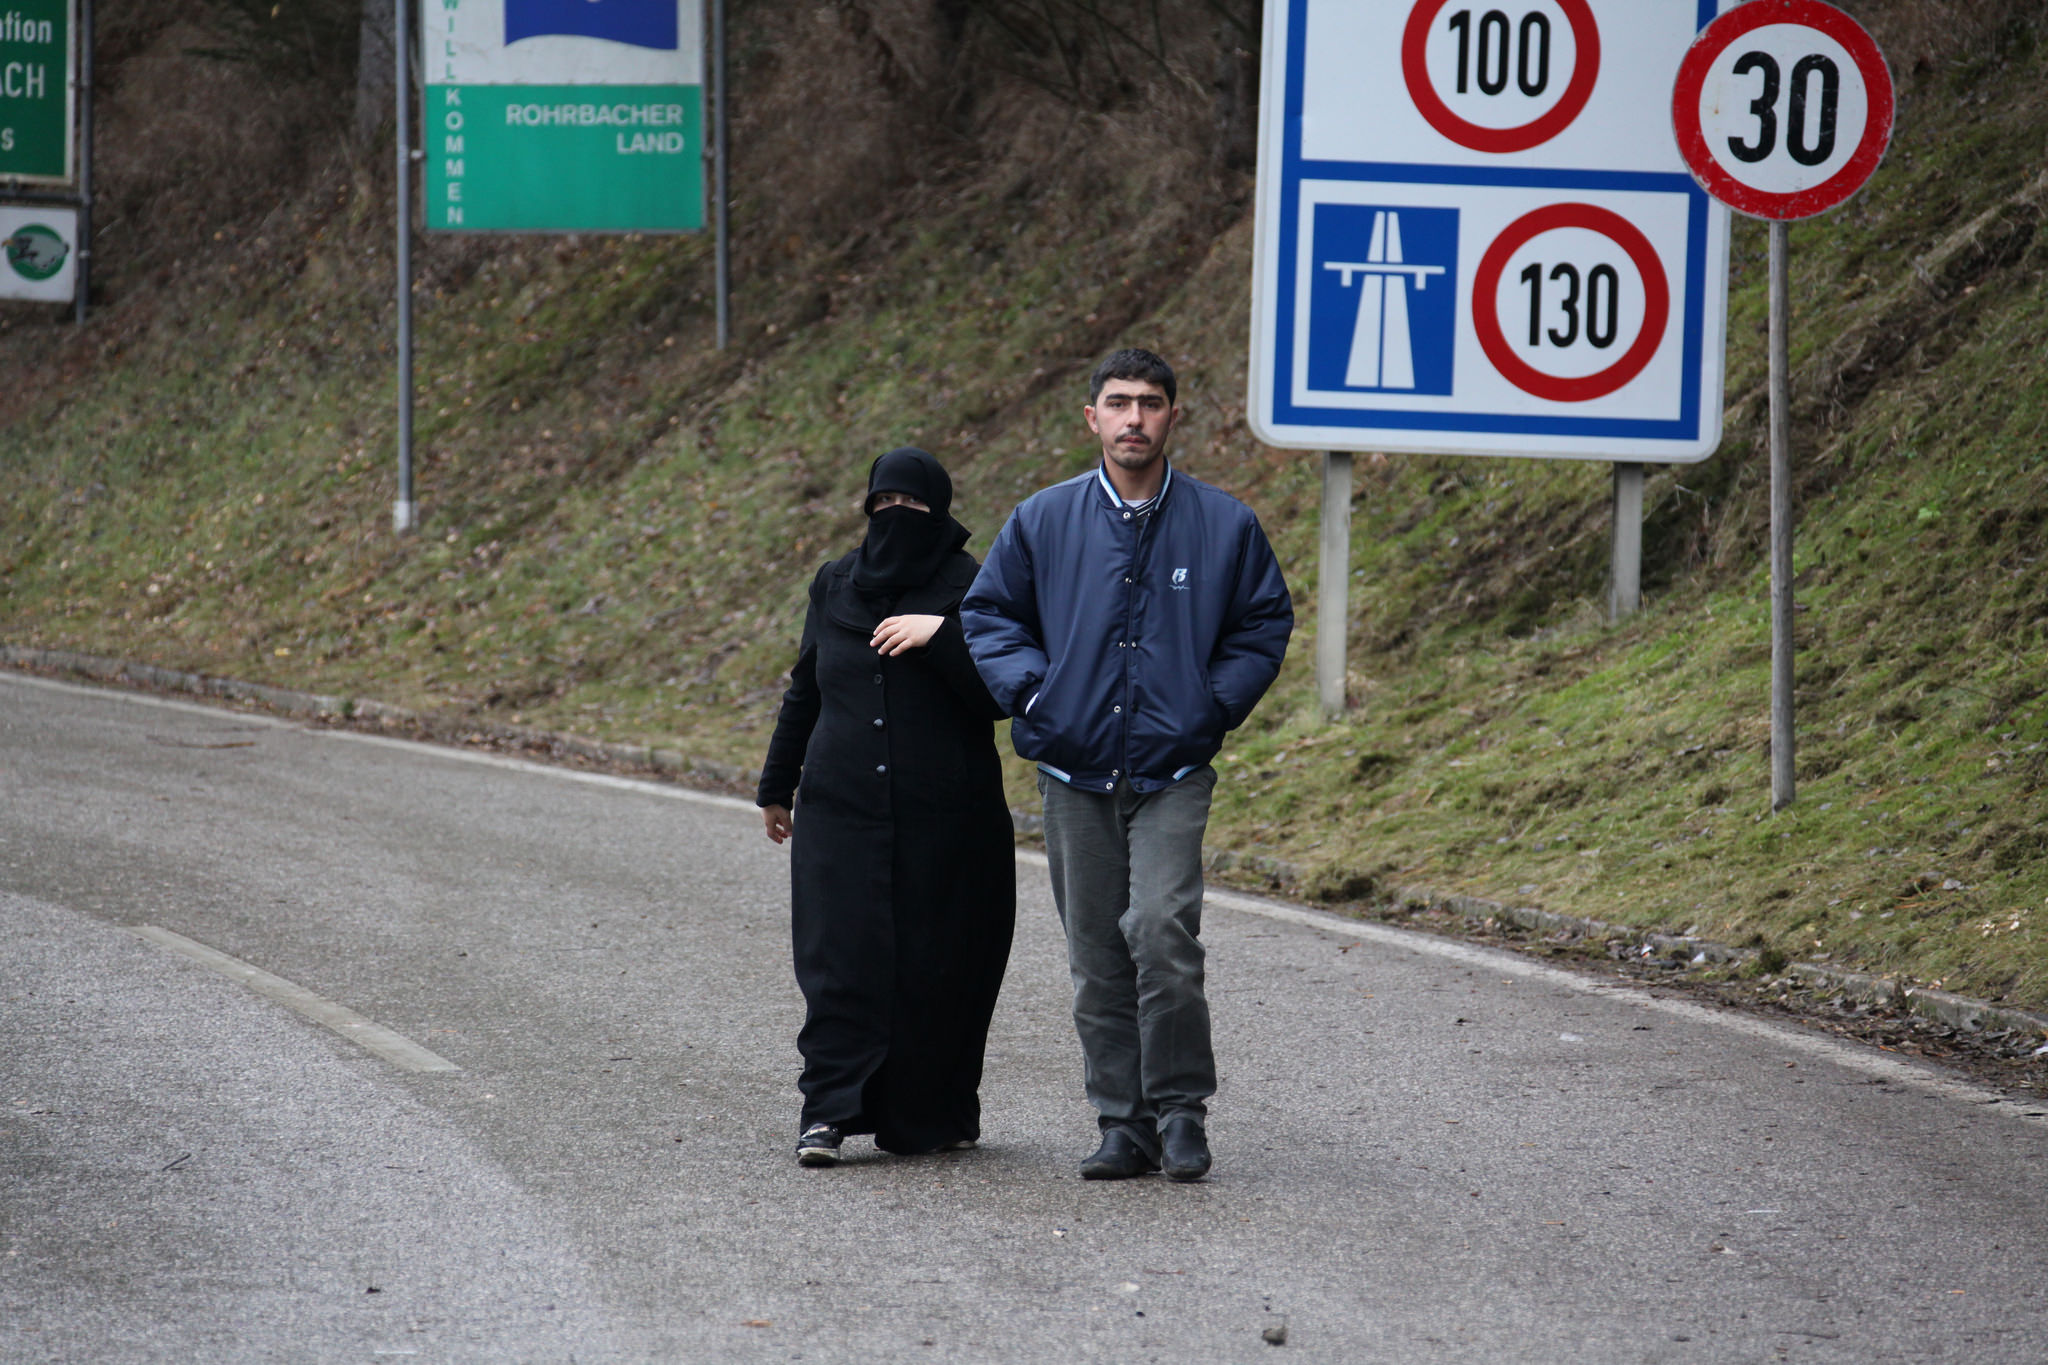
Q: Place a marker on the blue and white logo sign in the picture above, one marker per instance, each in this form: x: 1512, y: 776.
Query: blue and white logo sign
x: 1472, y: 240
x: 562, y: 42
x: 1374, y: 322
x: 642, y: 23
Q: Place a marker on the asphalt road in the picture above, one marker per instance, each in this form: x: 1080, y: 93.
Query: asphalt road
x: 1425, y: 1151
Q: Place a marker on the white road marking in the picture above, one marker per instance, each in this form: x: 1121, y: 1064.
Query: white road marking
x: 395, y: 1048
x: 527, y: 765
x: 216, y: 710
x: 1854, y: 1057
x: 411, y: 746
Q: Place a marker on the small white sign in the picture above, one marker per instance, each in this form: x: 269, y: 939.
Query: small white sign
x: 39, y: 254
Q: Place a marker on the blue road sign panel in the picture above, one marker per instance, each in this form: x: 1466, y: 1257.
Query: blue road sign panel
x: 1373, y: 324
x: 1475, y: 237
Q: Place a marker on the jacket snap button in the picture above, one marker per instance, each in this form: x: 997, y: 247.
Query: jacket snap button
x: 878, y: 677
x: 881, y: 767
x: 1109, y: 786
x: 878, y: 720
x: 1127, y: 516
x: 1113, y: 709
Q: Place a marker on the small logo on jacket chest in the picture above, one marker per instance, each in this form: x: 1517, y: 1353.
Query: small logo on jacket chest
x: 1180, y: 579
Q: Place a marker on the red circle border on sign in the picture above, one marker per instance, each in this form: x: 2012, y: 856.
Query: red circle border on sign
x: 1717, y: 38
x: 1486, y: 304
x: 1585, y: 71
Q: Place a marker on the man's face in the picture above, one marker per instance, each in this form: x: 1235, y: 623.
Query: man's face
x: 1133, y: 419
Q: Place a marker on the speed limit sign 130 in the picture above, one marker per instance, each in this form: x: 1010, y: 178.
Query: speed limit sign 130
x: 1470, y: 239
x: 1783, y: 108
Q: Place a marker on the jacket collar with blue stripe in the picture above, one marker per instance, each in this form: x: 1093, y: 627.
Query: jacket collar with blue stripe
x: 1116, y: 499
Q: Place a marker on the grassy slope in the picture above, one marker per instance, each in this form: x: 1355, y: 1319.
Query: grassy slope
x: 620, y: 521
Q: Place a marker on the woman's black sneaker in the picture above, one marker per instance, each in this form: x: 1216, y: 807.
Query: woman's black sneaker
x: 819, y: 1146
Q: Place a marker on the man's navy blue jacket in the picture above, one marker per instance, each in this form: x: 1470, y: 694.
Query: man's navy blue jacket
x: 1125, y: 644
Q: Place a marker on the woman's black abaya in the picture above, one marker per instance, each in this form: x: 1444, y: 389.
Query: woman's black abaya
x: 902, y: 867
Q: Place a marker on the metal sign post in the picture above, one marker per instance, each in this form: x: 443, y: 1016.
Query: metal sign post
x: 1470, y: 241
x: 405, y: 512
x: 1783, y: 108
x: 1782, y: 735
x: 722, y: 210
x: 84, y: 238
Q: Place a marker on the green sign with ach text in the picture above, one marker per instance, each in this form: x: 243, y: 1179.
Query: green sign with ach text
x: 36, y: 76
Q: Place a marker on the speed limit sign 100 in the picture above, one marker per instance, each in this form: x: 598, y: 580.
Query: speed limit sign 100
x: 1783, y: 108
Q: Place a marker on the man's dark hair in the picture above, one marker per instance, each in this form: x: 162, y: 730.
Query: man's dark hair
x: 1133, y: 363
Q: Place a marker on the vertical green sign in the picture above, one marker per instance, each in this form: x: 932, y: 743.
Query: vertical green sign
x: 562, y: 115
x: 37, y: 71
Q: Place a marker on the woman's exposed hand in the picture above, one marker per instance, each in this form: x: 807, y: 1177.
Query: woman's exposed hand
x: 778, y: 823
x: 899, y: 633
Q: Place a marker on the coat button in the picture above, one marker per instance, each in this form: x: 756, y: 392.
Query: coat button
x: 1109, y: 786
x: 881, y: 767
x: 1113, y: 709
x: 1116, y: 772
x: 878, y: 677
x: 878, y: 720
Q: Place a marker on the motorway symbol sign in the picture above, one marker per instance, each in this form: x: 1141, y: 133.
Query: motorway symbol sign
x: 1783, y: 108
x: 1471, y: 241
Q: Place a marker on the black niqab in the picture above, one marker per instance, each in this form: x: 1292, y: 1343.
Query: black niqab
x: 905, y: 547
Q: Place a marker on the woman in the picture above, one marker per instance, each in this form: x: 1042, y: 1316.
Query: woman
x: 903, y: 875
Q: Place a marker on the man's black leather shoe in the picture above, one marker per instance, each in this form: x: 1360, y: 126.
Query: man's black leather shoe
x: 1118, y: 1158
x: 1187, y: 1149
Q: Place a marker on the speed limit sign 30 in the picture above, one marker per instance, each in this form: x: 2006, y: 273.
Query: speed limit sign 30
x: 1783, y: 108
x: 1472, y: 240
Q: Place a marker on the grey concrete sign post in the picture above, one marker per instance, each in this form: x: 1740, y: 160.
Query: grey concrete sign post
x: 1625, y: 577
x: 1333, y: 584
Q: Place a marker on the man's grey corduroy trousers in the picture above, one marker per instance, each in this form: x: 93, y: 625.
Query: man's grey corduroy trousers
x: 1127, y: 877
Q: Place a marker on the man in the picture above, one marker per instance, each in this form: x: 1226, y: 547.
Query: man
x: 1126, y: 619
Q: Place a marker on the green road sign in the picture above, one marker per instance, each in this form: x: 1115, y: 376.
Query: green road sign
x: 37, y: 70
x: 564, y: 158
x: 563, y: 115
